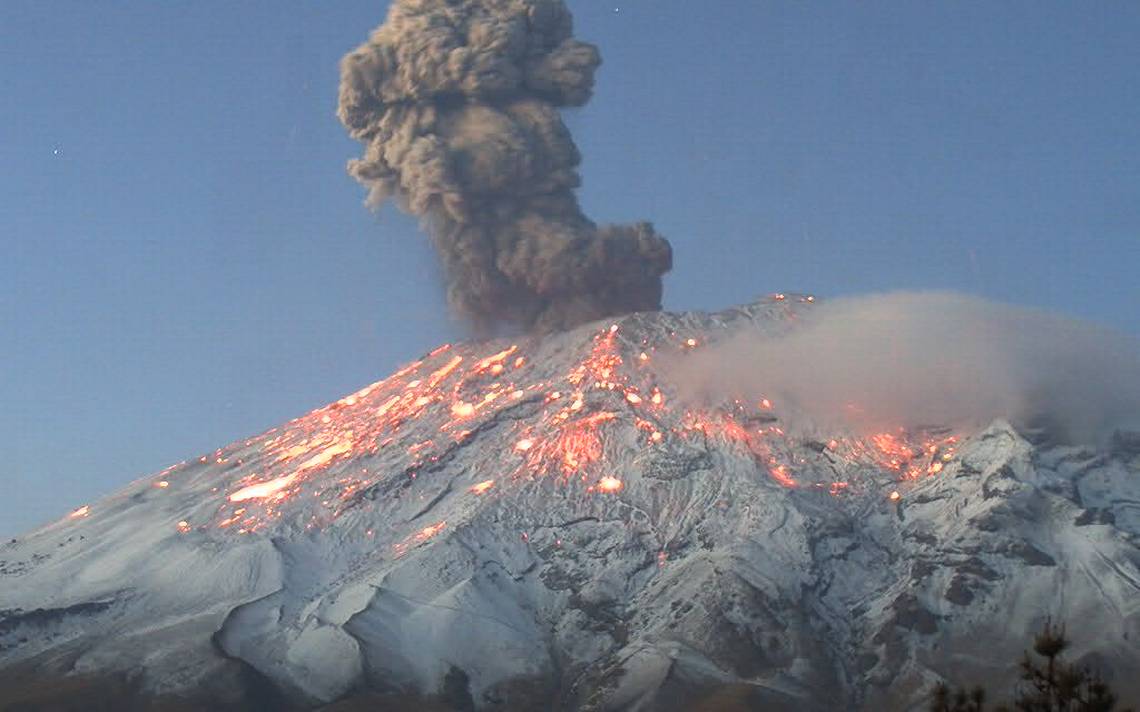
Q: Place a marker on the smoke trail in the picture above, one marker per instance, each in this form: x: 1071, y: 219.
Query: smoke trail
x: 931, y: 358
x: 457, y: 103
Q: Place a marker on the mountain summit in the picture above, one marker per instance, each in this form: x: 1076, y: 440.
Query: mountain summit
x: 546, y: 524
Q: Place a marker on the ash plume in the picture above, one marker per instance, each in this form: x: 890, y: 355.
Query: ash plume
x: 457, y: 103
x: 911, y: 359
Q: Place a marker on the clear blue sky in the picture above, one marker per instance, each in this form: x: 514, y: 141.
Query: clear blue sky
x: 186, y: 263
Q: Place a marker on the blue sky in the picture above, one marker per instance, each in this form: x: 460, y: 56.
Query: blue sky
x: 187, y: 263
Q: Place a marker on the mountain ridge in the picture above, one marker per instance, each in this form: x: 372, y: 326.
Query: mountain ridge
x: 542, y: 523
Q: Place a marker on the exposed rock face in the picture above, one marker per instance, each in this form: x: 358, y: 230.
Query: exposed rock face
x: 538, y: 525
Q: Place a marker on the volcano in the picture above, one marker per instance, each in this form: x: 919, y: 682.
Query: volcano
x: 541, y: 524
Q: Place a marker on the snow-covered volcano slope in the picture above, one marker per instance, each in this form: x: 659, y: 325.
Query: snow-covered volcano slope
x: 539, y: 525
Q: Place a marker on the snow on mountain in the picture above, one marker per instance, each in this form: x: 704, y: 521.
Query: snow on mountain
x: 537, y: 524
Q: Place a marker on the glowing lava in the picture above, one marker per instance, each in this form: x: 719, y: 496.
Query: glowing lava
x: 610, y: 485
x: 418, y: 538
x: 572, y: 424
x: 263, y: 489
x: 428, y: 532
x: 462, y: 410
x: 482, y: 487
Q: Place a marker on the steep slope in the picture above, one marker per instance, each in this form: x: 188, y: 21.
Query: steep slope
x: 538, y: 524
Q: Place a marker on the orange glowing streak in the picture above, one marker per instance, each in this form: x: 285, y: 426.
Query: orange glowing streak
x: 633, y: 398
x: 444, y: 372
x: 428, y: 532
x: 293, y: 452
x: 895, y: 496
x: 610, y: 485
x: 184, y: 526
x: 406, y: 369
x: 524, y: 445
x: 387, y: 406
x: 367, y: 390
x: 599, y: 417
x: 481, y: 487
x: 495, y: 358
x: 81, y: 512
x: 781, y: 475
x: 263, y: 489
x: 422, y: 535
x: 325, y: 456
x: 162, y: 484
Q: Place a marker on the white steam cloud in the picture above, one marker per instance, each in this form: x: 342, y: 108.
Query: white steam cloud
x: 929, y: 359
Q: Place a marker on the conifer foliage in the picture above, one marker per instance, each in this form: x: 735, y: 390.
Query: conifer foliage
x: 1048, y: 684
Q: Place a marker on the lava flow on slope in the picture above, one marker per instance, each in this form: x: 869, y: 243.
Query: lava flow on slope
x: 567, y: 493
x: 566, y: 425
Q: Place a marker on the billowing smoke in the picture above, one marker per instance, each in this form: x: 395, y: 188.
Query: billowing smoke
x: 457, y: 103
x: 931, y: 358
